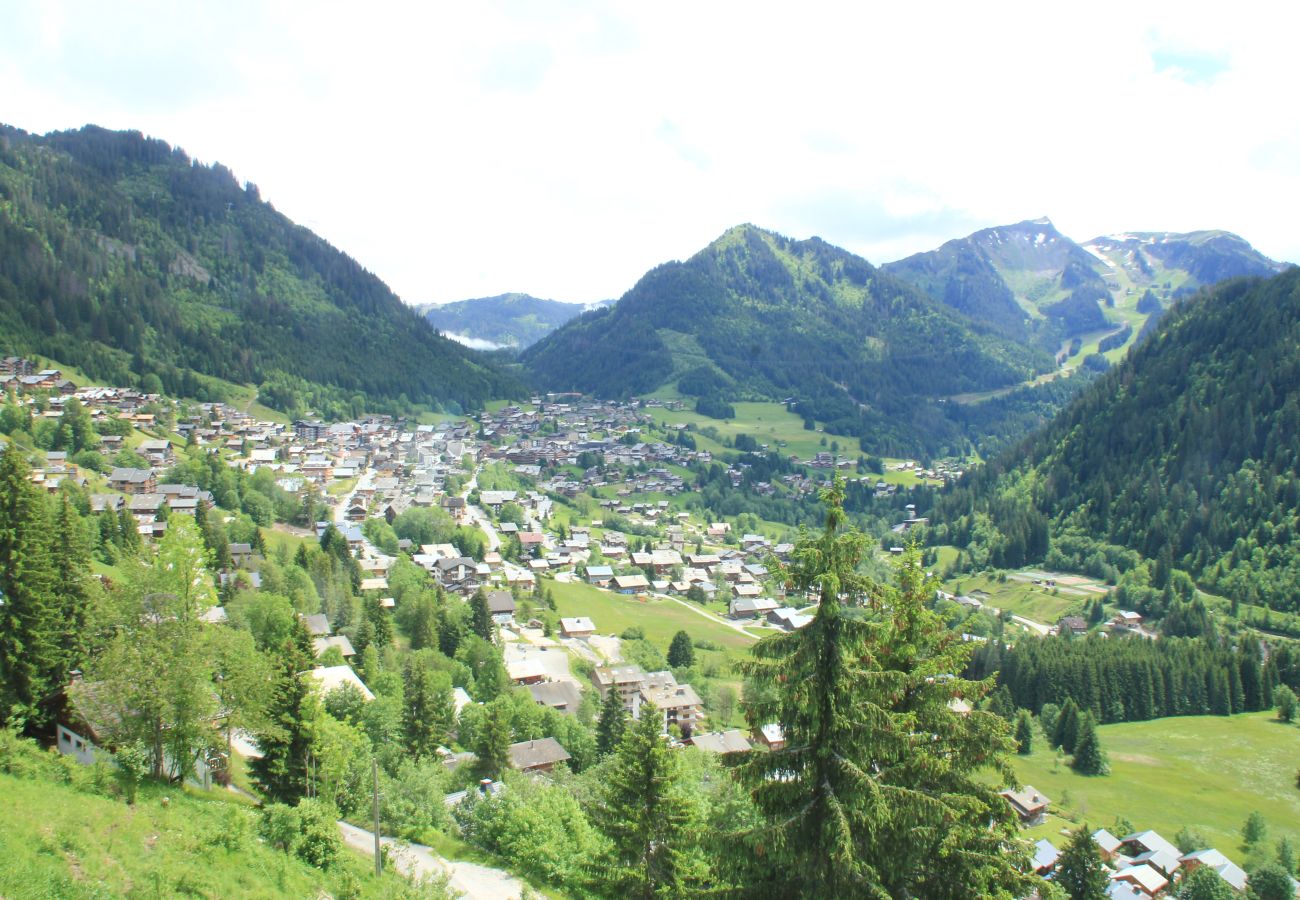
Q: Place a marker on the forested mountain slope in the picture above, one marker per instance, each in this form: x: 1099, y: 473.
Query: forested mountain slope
x: 758, y: 315
x: 1186, y: 453
x: 122, y: 256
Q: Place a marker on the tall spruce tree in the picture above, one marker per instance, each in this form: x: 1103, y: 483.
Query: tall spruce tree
x: 283, y: 772
x: 681, y: 652
x: 611, y: 724
x: 1067, y: 726
x: 30, y: 657
x: 1024, y: 733
x: 1080, y: 871
x: 876, y: 792
x: 480, y: 621
x: 647, y: 812
x: 1088, y: 756
x: 429, y: 711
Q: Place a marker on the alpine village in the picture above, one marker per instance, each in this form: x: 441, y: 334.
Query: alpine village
x: 787, y: 574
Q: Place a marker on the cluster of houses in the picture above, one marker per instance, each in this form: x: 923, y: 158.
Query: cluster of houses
x: 1140, y: 866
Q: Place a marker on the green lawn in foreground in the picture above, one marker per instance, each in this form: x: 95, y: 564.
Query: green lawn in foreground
x: 660, y: 619
x: 1205, y: 772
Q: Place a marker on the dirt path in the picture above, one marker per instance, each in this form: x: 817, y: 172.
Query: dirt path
x: 470, y: 880
x: 708, y: 615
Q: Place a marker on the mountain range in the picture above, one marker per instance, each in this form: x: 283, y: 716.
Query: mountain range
x: 122, y: 256
x: 506, y: 320
x: 758, y: 315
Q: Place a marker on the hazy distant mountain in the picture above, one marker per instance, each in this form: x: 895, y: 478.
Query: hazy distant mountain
x: 507, y: 320
x: 759, y: 315
x: 1032, y: 282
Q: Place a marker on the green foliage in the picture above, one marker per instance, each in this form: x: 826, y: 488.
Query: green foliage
x: 1271, y: 882
x: 1285, y: 700
x: 307, y: 831
x: 132, y: 759
x: 1024, y: 733
x: 877, y: 787
x: 650, y: 815
x: 1079, y: 870
x: 612, y: 723
x: 516, y: 320
x: 146, y: 267
x: 1088, y: 756
x: 1254, y: 830
x: 681, y: 653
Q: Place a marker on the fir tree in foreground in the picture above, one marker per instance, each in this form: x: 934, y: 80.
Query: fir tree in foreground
x: 878, y: 790
x: 647, y: 811
x: 612, y: 722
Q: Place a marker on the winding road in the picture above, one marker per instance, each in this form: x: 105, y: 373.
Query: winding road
x: 470, y: 880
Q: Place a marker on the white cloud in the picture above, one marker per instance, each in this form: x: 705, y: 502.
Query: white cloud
x: 564, y: 149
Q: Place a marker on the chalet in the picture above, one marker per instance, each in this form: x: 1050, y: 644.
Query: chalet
x: 331, y: 678
x: 501, y: 606
x: 770, y: 736
x: 321, y: 644
x: 1072, y: 625
x: 241, y: 555
x: 631, y: 584
x: 561, y: 695
x: 133, y: 481
x: 1045, y: 856
x: 788, y: 618
x: 456, y: 507
x: 627, y: 680
x: 159, y: 453
x: 318, y: 625
x: 722, y: 742
x: 1127, y: 619
x: 599, y: 575
x: 1228, y: 870
x: 528, y: 670
x: 677, y: 703
x: 537, y: 757
x: 751, y: 607
x: 374, y: 584
x: 1107, y: 844
x: 1142, y: 877
x: 577, y: 627
x: 529, y: 540
x: 1029, y: 804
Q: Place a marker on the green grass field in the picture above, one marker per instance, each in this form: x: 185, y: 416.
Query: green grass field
x: 1021, y: 598
x: 768, y: 423
x: 660, y: 619
x: 1204, y: 772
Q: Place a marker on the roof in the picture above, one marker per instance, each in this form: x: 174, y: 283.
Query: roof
x: 500, y: 602
x: 1027, y: 801
x: 1105, y: 840
x: 562, y: 695
x: 1151, y: 840
x: 1045, y: 854
x: 576, y: 624
x: 600, y: 571
x: 331, y: 678
x: 731, y: 741
x: 317, y: 624
x: 1148, y: 878
x: 672, y: 696
x: 772, y: 733
x: 1227, y: 869
x: 606, y: 675
x: 321, y: 644
x: 631, y: 581
x: 528, y: 667
x: 527, y: 755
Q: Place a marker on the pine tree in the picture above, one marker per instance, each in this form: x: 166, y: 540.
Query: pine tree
x: 282, y: 771
x: 612, y: 723
x: 129, y: 532
x: 1024, y: 733
x: 1285, y: 699
x: 1088, y: 756
x: 480, y: 616
x: 1067, y: 726
x: 681, y: 653
x: 492, y: 748
x: 30, y: 657
x: 70, y: 559
x: 428, y: 709
x: 876, y: 792
x: 1080, y: 871
x: 646, y: 811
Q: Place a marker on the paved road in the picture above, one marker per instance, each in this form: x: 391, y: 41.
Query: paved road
x: 471, y: 880
x: 1038, y: 627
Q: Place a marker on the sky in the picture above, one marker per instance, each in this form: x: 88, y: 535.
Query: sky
x: 562, y: 149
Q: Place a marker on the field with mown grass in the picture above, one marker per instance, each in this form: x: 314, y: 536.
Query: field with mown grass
x: 1207, y: 773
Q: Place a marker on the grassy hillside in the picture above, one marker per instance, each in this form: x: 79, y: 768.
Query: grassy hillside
x: 510, y: 320
x: 57, y: 840
x: 1207, y: 773
x: 122, y: 256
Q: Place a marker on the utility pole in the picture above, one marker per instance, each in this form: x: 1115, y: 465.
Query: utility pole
x: 374, y: 780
